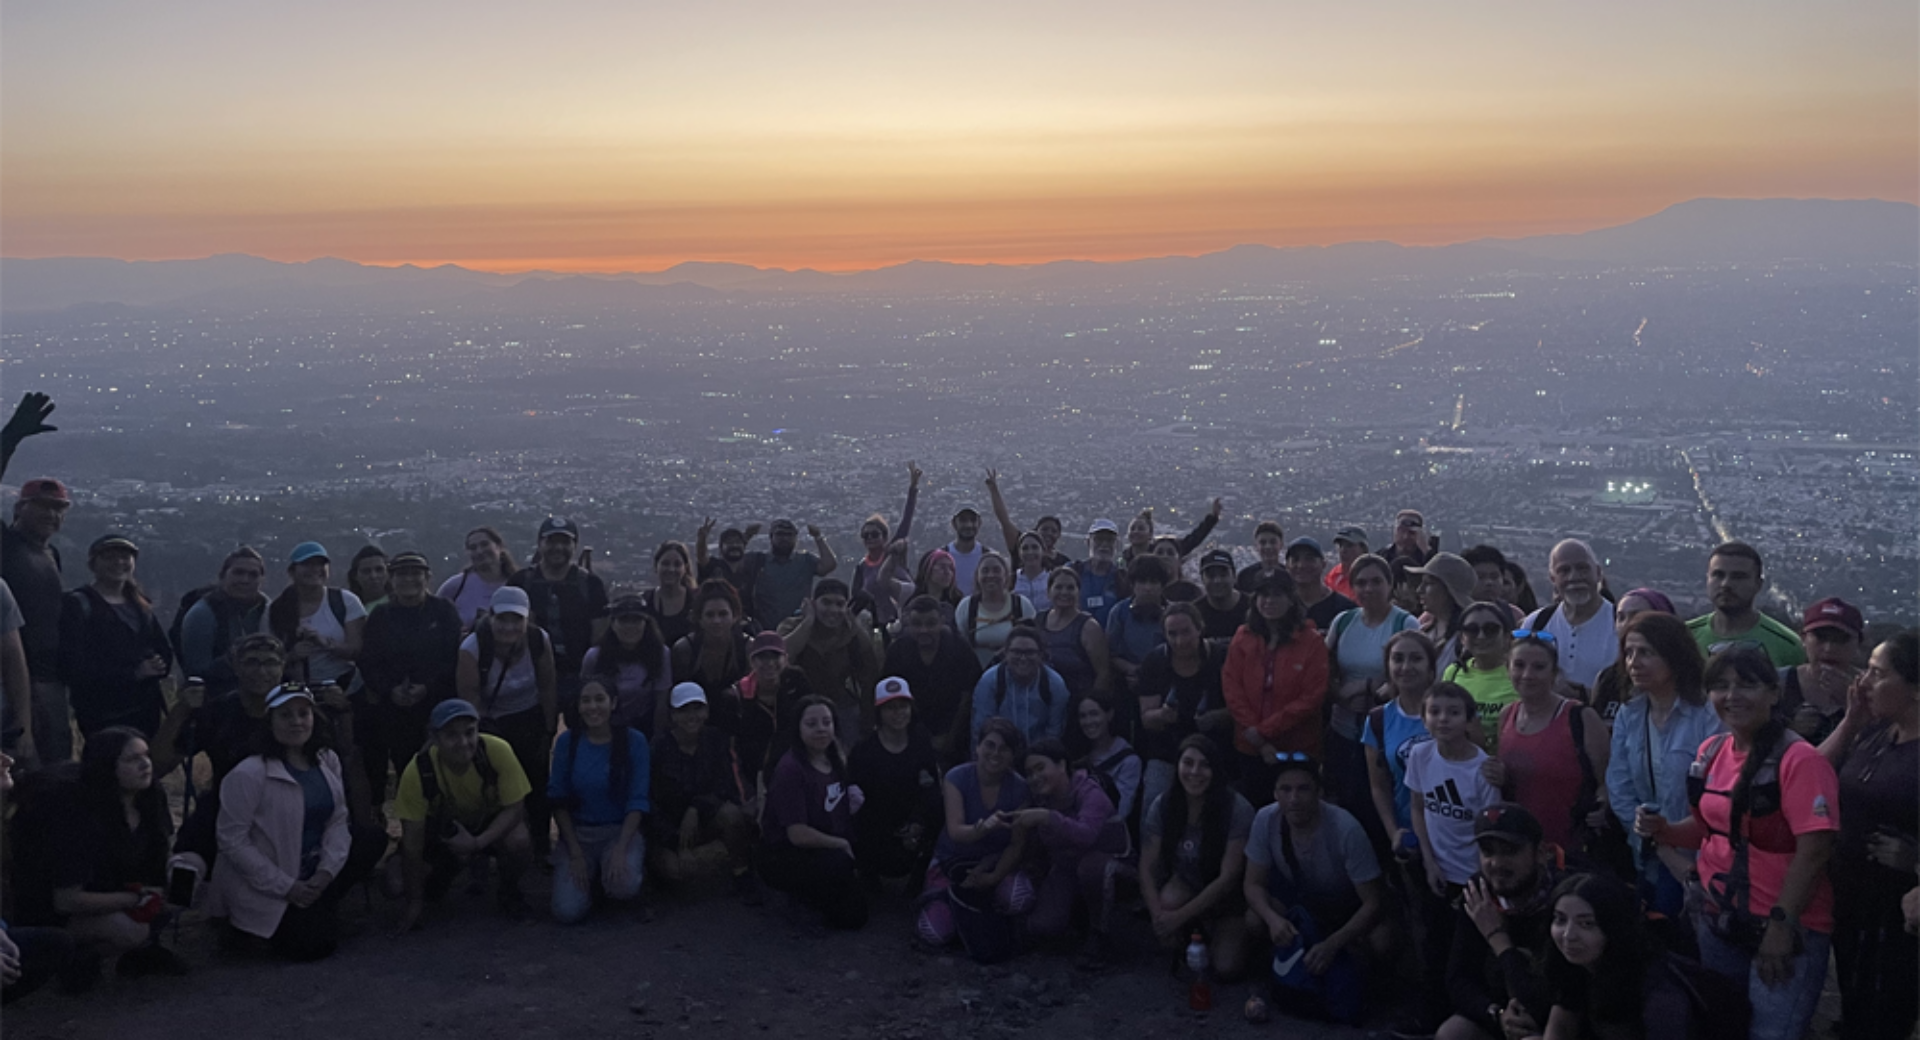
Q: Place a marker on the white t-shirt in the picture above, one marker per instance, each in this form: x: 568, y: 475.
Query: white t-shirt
x: 502, y: 695
x: 1035, y: 588
x: 1452, y: 794
x: 964, y: 564
x: 1585, y: 650
x: 324, y: 666
x: 991, y: 628
x: 471, y: 594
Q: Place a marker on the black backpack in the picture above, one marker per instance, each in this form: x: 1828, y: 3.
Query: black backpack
x: 483, y: 638
x: 187, y: 600
x: 430, y: 783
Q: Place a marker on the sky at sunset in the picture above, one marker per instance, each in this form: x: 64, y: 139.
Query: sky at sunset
x: 625, y: 135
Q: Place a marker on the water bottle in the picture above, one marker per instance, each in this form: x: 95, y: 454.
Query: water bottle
x: 1199, y: 990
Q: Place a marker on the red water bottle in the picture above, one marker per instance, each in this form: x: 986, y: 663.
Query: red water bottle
x: 1199, y: 991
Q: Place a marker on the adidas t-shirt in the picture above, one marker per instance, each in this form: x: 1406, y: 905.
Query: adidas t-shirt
x: 1452, y: 793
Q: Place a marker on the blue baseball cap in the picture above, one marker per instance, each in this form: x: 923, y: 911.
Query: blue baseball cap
x: 447, y: 711
x: 1307, y: 544
x: 309, y: 551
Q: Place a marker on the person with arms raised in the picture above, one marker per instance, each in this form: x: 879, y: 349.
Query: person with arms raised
x: 601, y: 778
x: 881, y: 572
x: 489, y: 566
x: 1765, y: 809
x: 566, y: 601
x: 506, y: 672
x: 730, y: 565
x: 781, y: 580
x: 462, y: 796
x: 1275, y: 681
x: 113, y: 652
x: 408, y: 659
x: 30, y: 565
x: 1735, y: 578
x: 807, y: 832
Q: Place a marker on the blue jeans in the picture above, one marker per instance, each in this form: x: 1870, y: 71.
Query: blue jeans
x: 571, y: 903
x: 1778, y: 1014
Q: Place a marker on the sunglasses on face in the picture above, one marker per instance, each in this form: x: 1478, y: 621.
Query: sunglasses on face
x: 1481, y: 631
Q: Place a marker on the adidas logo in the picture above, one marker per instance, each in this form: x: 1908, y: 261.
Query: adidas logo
x: 1445, y: 800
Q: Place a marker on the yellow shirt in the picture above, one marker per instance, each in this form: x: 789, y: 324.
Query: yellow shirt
x: 463, y: 793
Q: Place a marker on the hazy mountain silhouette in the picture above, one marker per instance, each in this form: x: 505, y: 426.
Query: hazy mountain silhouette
x: 1702, y: 231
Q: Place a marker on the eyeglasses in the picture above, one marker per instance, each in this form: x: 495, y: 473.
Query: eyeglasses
x: 1480, y: 631
x: 871, y: 535
x: 1536, y: 633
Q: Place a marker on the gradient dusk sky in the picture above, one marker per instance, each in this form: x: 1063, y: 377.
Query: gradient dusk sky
x: 624, y: 135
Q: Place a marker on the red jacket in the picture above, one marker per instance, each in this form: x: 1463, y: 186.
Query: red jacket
x: 1281, y: 692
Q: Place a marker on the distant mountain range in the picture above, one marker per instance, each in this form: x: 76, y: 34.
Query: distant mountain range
x: 1702, y: 231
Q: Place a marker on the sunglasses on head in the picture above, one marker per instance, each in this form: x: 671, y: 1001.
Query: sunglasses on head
x: 1534, y: 633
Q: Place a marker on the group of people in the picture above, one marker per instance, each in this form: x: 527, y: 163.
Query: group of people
x: 1585, y: 815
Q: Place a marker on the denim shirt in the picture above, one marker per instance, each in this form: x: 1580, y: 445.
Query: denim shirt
x: 1628, y: 784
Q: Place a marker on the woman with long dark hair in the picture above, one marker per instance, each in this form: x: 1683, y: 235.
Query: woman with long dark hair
x: 1275, y: 682
x: 1390, y: 733
x: 1193, y: 853
x: 632, y: 659
x: 807, y: 833
x: 1179, y: 688
x: 937, y: 576
x: 94, y: 861
x: 1765, y: 807
x: 715, y: 655
x: 1878, y: 756
x: 1484, y: 637
x: 489, y: 566
x: 1655, y: 735
x: 599, y: 789
x: 1553, y: 751
x: 113, y: 651
x: 1607, y: 977
x: 671, y: 598
x: 368, y: 576
x: 977, y: 844
x: 283, y: 834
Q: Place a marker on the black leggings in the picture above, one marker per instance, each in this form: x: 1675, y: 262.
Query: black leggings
x: 526, y: 732
x: 312, y: 932
x: 1877, y: 962
x: 824, y: 879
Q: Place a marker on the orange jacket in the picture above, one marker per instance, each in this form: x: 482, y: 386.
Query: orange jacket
x: 1281, y: 692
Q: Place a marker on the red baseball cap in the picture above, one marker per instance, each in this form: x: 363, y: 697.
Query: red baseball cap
x: 1834, y: 612
x: 45, y: 489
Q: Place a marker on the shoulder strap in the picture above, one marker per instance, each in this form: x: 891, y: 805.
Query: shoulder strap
x: 337, y: 602
x: 429, y: 782
x: 1544, y: 615
x: 1286, y: 848
x: 1377, y: 721
x: 973, y: 616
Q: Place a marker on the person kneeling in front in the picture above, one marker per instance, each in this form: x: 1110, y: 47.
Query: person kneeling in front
x: 599, y: 784
x: 462, y: 796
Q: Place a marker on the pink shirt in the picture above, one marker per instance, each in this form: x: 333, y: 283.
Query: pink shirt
x: 1809, y: 803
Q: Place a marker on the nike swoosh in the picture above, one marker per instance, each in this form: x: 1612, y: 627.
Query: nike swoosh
x: 1281, y: 968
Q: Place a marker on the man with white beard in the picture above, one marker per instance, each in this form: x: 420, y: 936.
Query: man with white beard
x: 1580, y: 620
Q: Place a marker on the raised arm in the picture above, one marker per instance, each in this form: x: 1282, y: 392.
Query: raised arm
x: 1008, y: 529
x: 1193, y: 539
x: 828, y: 561
x: 905, y: 529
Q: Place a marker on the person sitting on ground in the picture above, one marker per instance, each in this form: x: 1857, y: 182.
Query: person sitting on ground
x: 113, y: 651
x: 1494, y: 979
x: 837, y: 652
x: 93, y: 860
x: 29, y: 956
x: 985, y: 617
x: 1314, y: 890
x: 601, y: 776
x: 408, y: 657
x: 1023, y: 690
x: 1070, y: 835
x: 1275, y: 681
x: 462, y: 796
x: 507, y: 672
x: 939, y: 667
x: 807, y: 832
x: 284, y: 836
x: 633, y: 661
x: 1193, y: 856
x: 489, y: 566
x: 699, y: 824
x: 896, y: 767
x: 233, y: 609
x: 1606, y: 975
x: 977, y: 843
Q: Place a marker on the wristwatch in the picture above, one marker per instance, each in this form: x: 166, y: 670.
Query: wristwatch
x: 1779, y: 914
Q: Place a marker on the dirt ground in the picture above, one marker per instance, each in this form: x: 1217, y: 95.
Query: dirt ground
x: 706, y: 966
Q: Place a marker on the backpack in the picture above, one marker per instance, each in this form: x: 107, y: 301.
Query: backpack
x: 437, y: 810
x: 187, y: 600
x: 1718, y: 1006
x: 1730, y: 917
x: 483, y: 640
x: 973, y: 615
